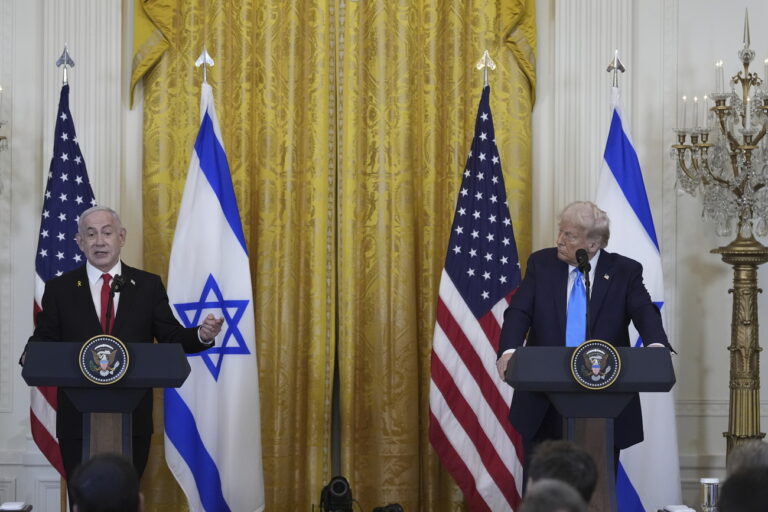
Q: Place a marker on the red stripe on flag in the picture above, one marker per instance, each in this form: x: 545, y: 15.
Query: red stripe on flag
x: 35, y: 310
x: 491, y: 328
x: 47, y: 444
x: 455, y: 465
x: 49, y: 393
x: 464, y: 413
x: 474, y: 365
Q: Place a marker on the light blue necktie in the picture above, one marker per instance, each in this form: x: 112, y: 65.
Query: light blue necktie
x: 576, y: 322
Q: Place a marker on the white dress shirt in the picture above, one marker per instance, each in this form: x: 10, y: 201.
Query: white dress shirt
x: 95, y: 281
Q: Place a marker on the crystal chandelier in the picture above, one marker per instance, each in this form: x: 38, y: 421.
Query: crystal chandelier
x: 725, y: 157
x: 724, y: 154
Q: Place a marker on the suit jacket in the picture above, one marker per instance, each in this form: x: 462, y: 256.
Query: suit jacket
x: 538, y: 309
x: 143, y: 315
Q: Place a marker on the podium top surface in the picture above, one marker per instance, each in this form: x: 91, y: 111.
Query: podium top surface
x: 153, y: 365
x: 547, y: 369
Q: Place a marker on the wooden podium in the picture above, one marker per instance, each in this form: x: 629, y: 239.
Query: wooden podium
x: 106, y: 408
x: 589, y: 413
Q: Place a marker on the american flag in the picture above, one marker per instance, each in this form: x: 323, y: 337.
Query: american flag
x: 67, y: 194
x: 468, y: 402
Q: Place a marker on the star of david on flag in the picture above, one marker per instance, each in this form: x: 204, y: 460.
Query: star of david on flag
x: 621, y: 193
x: 212, y: 423
x: 191, y: 314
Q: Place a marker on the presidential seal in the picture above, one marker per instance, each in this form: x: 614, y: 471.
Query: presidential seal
x: 595, y: 364
x: 103, y: 359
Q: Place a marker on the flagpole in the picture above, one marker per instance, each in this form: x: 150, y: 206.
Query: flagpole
x: 615, y: 66
x: 485, y: 63
x: 204, y: 60
x: 66, y: 61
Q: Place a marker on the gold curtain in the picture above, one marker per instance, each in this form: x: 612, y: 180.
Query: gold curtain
x: 409, y: 97
x: 346, y: 125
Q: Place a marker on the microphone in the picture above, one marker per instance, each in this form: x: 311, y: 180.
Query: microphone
x: 581, y: 258
x: 117, y: 284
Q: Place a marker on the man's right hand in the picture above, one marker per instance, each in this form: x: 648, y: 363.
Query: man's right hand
x: 501, y: 365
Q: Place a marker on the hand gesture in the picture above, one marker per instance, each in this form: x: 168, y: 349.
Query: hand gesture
x: 210, y: 327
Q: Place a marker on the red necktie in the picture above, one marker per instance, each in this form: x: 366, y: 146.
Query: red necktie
x: 106, y: 278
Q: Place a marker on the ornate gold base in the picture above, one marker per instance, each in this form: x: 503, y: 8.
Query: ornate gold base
x: 745, y: 254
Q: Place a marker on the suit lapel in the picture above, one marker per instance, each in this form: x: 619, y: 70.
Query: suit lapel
x: 84, y: 300
x: 559, y: 283
x: 603, y: 279
x: 127, y: 298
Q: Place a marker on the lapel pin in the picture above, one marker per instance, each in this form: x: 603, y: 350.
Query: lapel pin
x: 606, y: 277
x: 79, y: 283
x: 133, y: 282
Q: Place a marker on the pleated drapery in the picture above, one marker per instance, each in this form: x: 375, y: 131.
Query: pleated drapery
x: 346, y: 124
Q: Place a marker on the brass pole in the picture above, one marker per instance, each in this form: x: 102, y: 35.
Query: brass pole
x: 745, y: 254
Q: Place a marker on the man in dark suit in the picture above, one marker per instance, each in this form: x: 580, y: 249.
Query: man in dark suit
x: 537, y: 316
x: 72, y: 308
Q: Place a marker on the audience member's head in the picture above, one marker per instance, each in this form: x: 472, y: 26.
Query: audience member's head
x: 548, y: 495
x: 746, y: 490
x: 105, y: 483
x: 565, y: 461
x: 749, y: 454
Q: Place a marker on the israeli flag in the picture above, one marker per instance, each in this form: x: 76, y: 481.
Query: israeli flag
x: 648, y: 476
x: 212, y: 424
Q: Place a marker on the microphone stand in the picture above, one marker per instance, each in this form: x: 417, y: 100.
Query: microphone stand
x: 117, y: 285
x: 586, y: 270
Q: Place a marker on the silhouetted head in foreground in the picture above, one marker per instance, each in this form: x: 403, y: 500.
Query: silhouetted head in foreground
x: 565, y: 461
x: 106, y: 483
x: 548, y: 495
x: 746, y: 490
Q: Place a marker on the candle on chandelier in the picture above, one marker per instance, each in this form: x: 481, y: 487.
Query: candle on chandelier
x: 705, y: 112
x: 748, y: 122
x: 765, y: 71
x: 719, y: 83
x: 695, y: 112
x: 722, y: 76
x: 681, y: 121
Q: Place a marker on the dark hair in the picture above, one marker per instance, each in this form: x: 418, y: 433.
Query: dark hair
x: 105, y: 483
x: 565, y: 461
x: 549, y: 495
x: 746, y: 490
x: 748, y: 454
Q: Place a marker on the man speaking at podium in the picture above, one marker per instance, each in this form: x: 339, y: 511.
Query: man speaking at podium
x: 75, y: 307
x: 550, y: 307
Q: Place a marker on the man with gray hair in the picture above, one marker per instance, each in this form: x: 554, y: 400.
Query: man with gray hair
x: 549, y: 309
x: 549, y: 495
x: 86, y: 302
